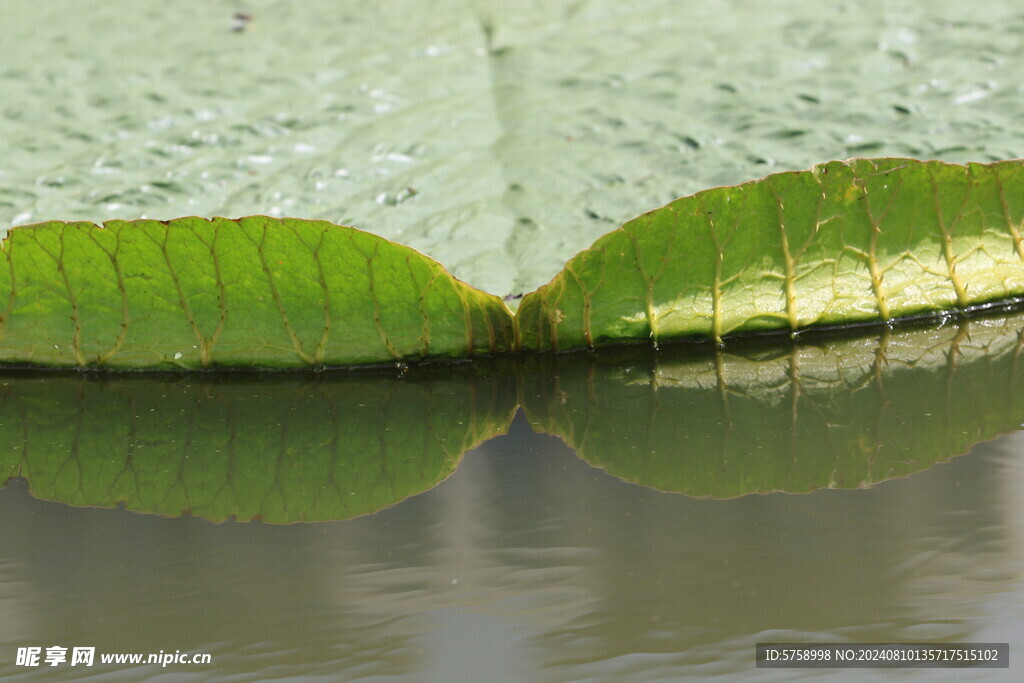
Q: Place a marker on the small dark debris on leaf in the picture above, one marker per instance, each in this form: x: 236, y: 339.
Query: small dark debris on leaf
x: 595, y: 216
x: 864, y: 147
x: 902, y: 57
x: 512, y: 297
x: 787, y: 134
x: 240, y: 21
x: 900, y: 109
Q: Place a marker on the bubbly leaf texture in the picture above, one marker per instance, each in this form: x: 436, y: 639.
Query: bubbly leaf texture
x: 258, y: 292
x: 526, y: 130
x: 794, y: 418
x: 264, y: 447
x: 845, y: 242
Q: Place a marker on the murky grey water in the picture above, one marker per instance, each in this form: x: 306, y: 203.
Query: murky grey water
x: 527, y: 564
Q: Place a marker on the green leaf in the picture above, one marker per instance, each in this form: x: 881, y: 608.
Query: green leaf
x: 845, y: 242
x: 523, y: 131
x: 789, y: 418
x: 256, y: 292
x: 249, y: 447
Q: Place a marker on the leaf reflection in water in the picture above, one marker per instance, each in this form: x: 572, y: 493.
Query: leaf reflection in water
x: 759, y: 418
x: 798, y: 417
x: 269, y: 447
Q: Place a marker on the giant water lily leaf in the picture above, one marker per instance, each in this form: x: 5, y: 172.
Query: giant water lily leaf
x: 837, y: 414
x: 499, y: 138
x: 263, y: 447
x: 842, y: 243
x: 845, y: 242
x: 266, y: 292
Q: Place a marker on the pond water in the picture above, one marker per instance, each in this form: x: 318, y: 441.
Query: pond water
x: 527, y: 564
x: 527, y: 561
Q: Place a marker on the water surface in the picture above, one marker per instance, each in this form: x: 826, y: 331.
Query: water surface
x: 527, y: 564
